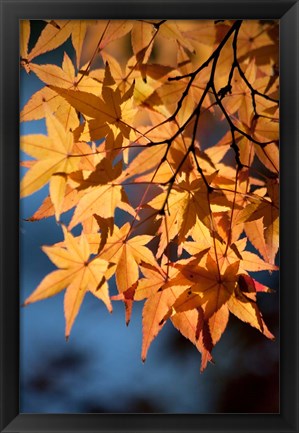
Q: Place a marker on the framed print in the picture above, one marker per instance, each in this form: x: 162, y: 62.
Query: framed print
x: 149, y: 216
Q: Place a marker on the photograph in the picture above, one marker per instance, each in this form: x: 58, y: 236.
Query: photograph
x: 149, y: 187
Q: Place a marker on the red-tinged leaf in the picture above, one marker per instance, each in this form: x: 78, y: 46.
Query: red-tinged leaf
x: 207, y: 347
x: 152, y: 315
x: 186, y: 323
x: 250, y: 285
x: 153, y: 280
x: 155, y: 309
x: 248, y: 312
x: 128, y: 298
x: 27, y: 164
x: 200, y: 322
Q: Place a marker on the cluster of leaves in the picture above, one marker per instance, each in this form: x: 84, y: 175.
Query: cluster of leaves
x: 126, y: 136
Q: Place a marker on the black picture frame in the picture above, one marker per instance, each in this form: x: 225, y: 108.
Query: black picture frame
x: 11, y: 12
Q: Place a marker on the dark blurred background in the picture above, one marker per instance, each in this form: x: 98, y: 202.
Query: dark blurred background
x: 99, y: 370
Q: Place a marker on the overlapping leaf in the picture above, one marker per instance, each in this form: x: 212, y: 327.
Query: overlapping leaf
x: 134, y: 134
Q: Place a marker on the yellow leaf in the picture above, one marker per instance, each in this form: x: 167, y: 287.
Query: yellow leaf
x: 90, y: 105
x: 269, y: 156
x: 153, y: 312
x: 112, y: 30
x: 34, y: 108
x: 127, y: 254
x: 186, y: 323
x: 78, y: 274
x: 248, y: 312
x: 146, y: 160
x: 236, y: 252
x: 24, y: 38
x: 57, y: 192
x: 52, y: 284
x: 217, y: 323
x: 78, y: 35
x: 47, y: 208
x: 52, y: 36
x: 127, y: 270
x: 52, y: 75
x: 158, y: 302
x: 52, y: 154
x: 103, y: 194
x: 141, y: 36
x: 171, y: 30
x: 102, y: 201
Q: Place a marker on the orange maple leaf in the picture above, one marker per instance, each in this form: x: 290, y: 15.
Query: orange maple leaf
x: 77, y: 273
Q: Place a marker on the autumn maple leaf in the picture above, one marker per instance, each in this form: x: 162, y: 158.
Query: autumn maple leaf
x: 185, y: 203
x: 66, y: 78
x: 47, y: 208
x: 77, y: 273
x: 127, y: 253
x: 56, y: 156
x: 158, y: 300
x: 55, y: 33
x: 216, y: 294
x: 161, y: 287
x: 265, y: 211
x: 108, y: 110
x: 102, y: 195
x: 135, y: 134
x: 237, y: 252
